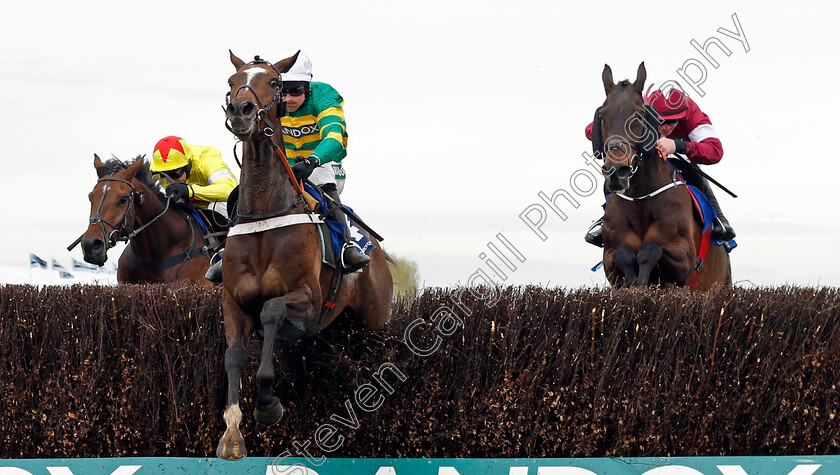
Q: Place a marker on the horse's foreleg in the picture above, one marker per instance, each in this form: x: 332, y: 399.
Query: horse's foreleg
x: 268, y: 408
x: 232, y: 444
x: 677, y: 264
x: 624, y: 259
x: 648, y: 257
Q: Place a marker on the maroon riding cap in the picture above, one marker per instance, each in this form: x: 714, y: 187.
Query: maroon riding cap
x: 669, y: 100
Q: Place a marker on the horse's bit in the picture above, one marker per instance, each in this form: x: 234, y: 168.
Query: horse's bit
x: 618, y: 143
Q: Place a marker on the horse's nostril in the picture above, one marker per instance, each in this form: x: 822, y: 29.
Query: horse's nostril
x: 241, y: 109
x: 623, y: 172
x: 97, y: 246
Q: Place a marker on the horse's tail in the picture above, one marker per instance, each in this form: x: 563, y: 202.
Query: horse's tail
x: 389, y: 259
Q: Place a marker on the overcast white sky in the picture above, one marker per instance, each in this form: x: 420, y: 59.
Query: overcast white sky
x: 459, y: 114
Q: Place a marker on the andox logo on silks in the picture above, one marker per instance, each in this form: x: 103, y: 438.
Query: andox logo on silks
x: 296, y: 132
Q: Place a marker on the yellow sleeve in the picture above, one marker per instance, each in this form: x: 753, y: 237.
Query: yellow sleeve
x: 211, y: 179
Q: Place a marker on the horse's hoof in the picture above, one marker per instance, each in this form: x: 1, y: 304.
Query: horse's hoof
x: 230, y: 449
x: 270, y: 414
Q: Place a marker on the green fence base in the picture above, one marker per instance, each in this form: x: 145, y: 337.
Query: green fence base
x: 789, y: 465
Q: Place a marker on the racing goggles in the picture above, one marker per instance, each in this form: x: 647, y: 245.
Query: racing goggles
x: 294, y: 91
x: 174, y: 174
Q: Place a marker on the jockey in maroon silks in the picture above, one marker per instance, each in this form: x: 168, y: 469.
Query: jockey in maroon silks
x: 687, y: 130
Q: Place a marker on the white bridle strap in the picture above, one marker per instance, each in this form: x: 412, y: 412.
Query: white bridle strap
x: 274, y: 223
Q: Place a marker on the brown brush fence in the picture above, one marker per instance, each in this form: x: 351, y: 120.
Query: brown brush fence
x: 138, y: 371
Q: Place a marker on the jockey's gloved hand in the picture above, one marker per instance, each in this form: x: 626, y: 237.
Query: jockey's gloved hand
x: 304, y: 167
x: 178, y: 190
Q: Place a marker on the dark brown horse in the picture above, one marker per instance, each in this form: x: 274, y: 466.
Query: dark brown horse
x: 165, y: 243
x: 651, y: 234
x: 274, y: 279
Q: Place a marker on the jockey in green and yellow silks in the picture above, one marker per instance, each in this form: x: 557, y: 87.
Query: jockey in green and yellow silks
x: 315, y: 136
x: 317, y: 127
x: 313, y: 124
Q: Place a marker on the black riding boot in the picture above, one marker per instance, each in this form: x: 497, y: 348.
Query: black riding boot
x: 721, y: 229
x: 593, y: 236
x: 214, y: 273
x: 352, y: 258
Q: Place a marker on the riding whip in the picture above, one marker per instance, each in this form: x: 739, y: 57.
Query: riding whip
x: 353, y: 215
x: 696, y: 168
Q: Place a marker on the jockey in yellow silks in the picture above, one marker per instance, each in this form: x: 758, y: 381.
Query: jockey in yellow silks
x: 193, y: 172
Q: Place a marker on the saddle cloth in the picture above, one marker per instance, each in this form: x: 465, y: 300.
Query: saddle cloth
x: 706, y: 213
x: 335, y: 230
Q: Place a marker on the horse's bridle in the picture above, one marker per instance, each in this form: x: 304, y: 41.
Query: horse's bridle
x: 118, y: 233
x: 268, y: 131
x: 640, y: 153
x: 276, y: 84
x: 617, y: 142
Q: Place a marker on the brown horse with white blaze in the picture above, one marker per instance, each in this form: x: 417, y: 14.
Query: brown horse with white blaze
x: 274, y: 277
x: 651, y: 234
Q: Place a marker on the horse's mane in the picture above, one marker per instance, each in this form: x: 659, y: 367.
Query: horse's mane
x: 144, y: 174
x: 624, y: 83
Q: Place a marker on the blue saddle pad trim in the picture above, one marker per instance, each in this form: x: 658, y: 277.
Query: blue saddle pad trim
x: 709, y: 215
x: 337, y: 228
x: 198, y: 218
x: 706, y: 210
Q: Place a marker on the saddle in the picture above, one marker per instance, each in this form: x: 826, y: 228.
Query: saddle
x: 214, y: 228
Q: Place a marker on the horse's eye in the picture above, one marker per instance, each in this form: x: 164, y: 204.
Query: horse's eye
x: 124, y: 200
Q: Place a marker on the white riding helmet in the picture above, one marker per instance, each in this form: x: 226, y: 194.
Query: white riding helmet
x: 300, y: 71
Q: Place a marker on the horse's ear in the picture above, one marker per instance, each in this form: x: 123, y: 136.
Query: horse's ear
x: 606, y: 76
x: 641, y: 76
x: 97, y: 163
x: 134, y: 168
x: 236, y: 61
x: 286, y: 64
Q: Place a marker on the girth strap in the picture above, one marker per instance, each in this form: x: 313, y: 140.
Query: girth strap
x: 335, y: 288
